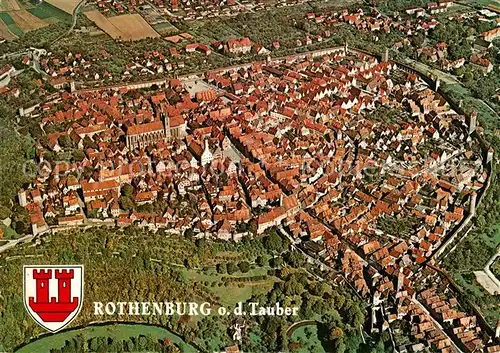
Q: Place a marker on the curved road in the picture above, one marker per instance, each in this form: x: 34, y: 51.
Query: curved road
x: 487, y: 268
x: 14, y: 242
x: 73, y: 22
x: 298, y: 324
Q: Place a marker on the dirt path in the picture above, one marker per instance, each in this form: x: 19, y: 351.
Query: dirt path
x: 291, y: 329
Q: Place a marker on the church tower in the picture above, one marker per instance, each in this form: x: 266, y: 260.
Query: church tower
x: 206, y: 156
x: 472, y: 204
x: 472, y: 122
x: 168, y: 134
x: 489, y: 155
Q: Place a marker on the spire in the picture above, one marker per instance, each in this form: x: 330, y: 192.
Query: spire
x: 206, y: 156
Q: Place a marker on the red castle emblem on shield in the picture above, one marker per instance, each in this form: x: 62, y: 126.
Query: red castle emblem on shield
x: 53, y: 294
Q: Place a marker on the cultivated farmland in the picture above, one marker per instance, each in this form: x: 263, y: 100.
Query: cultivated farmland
x: 133, y: 27
x: 124, y: 27
x: 26, y: 21
x: 103, y: 23
x: 8, y: 21
x: 50, y: 13
x: 5, y: 33
x: 67, y: 6
x: 9, y: 5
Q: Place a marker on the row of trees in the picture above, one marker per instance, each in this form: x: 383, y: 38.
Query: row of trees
x: 231, y: 267
x: 141, y: 343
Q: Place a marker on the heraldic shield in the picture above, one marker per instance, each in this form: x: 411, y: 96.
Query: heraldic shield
x: 53, y: 295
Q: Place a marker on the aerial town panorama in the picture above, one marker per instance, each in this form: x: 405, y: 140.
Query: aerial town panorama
x: 249, y: 176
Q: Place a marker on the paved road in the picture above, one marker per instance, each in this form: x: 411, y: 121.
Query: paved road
x: 298, y: 324
x: 75, y: 14
x: 487, y: 268
x: 14, y: 242
x: 73, y: 21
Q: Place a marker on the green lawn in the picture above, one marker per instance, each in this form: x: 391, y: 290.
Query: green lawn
x: 117, y: 331
x: 231, y: 294
x: 305, y: 340
x: 9, y: 233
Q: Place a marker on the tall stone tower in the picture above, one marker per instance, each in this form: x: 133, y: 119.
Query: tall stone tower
x: 489, y: 155
x: 385, y: 57
x: 206, y: 156
x: 472, y: 206
x: 168, y: 134
x: 22, y: 198
x: 472, y: 122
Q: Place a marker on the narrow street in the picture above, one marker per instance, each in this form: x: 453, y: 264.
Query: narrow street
x: 436, y: 323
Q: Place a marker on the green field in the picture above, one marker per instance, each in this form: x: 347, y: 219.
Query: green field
x: 482, y: 2
x: 9, y: 233
x: 11, y: 24
x: 45, y: 11
x: 5, y: 17
x: 16, y: 30
x: 305, y: 340
x: 116, y: 331
x: 165, y: 27
x: 232, y: 293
